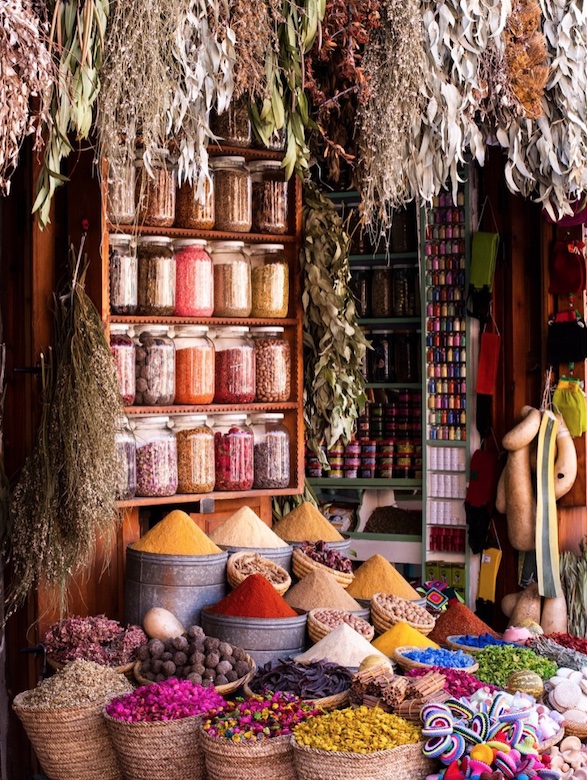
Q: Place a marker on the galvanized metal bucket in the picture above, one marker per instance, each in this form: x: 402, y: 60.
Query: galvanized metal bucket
x: 183, y: 584
x: 279, y: 555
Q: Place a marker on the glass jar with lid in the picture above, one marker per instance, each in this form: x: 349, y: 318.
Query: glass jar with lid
x: 194, y: 278
x: 123, y: 350
x: 233, y: 452
x: 232, y: 194
x: 232, y: 279
x: 194, y: 211
x: 233, y: 126
x: 121, y: 193
x: 404, y: 291
x: 360, y: 285
x: 272, y: 364
x: 156, y: 456
x: 269, y: 197
x: 126, y: 477
x: 275, y: 142
x: 155, y: 366
x: 271, y: 451
x: 123, y: 274
x: 381, y: 365
x: 381, y: 292
x: 156, y: 287
x: 269, y: 280
x: 234, y: 376
x: 194, y: 365
x: 156, y: 191
x: 195, y: 454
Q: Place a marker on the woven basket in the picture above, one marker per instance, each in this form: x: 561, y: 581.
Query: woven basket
x: 327, y: 703
x: 402, y: 763
x: 302, y: 564
x: 554, y: 740
x: 221, y: 689
x: 160, y: 749
x: 318, y: 630
x: 407, y: 663
x: 265, y: 759
x: 383, y: 620
x: 235, y: 576
x: 126, y: 669
x: 576, y: 730
x: 453, y: 645
x: 72, y: 743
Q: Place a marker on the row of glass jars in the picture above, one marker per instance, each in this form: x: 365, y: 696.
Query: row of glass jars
x: 161, y: 456
x: 237, y: 198
x: 195, y: 278
x: 155, y: 369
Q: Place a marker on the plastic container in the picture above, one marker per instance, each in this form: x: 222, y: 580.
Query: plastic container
x: 232, y: 194
x: 361, y: 288
x: 269, y: 197
x: 195, y: 454
x: 233, y: 126
x: 233, y: 452
x: 156, y: 276
x: 271, y: 451
x: 234, y: 366
x: 193, y: 212
x: 155, y: 366
x: 156, y: 193
x: 272, y: 364
x: 126, y: 478
x: 232, y: 279
x: 121, y: 194
x: 194, y: 278
x: 269, y: 280
x: 156, y: 457
x: 123, y: 274
x: 381, y: 292
x: 194, y: 365
x: 123, y: 350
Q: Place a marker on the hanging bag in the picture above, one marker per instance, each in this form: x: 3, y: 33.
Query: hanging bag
x: 567, y: 272
x: 566, y: 338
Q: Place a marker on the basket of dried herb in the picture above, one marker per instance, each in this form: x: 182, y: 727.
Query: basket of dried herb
x: 319, y: 555
x: 241, y: 564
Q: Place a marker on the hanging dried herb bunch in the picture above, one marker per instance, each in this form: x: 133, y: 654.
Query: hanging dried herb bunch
x: 334, y: 345
x: 65, y: 497
x: 525, y: 52
x: 255, y: 26
x: 26, y: 72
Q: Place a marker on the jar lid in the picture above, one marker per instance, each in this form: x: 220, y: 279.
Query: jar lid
x: 120, y: 238
x: 151, y: 421
x: 267, y: 417
x: 254, y: 249
x: 182, y: 422
x: 215, y: 246
x: 226, y: 162
x: 154, y: 240
x: 152, y: 328
x: 224, y: 418
x: 267, y: 329
x: 118, y: 328
x: 179, y: 242
x: 235, y: 330
x: 264, y: 165
x: 190, y: 330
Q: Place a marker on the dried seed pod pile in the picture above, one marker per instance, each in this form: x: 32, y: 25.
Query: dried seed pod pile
x: 314, y: 680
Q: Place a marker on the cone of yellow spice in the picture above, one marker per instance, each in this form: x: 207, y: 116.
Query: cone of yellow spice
x: 378, y: 575
x: 401, y: 635
x: 305, y: 523
x: 176, y: 534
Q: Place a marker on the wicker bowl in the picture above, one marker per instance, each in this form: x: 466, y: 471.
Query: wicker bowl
x: 302, y: 564
x: 554, y: 740
x: 222, y: 689
x: 407, y: 663
x: 383, y: 619
x: 317, y: 630
x: 326, y: 703
x: 576, y: 730
x: 453, y: 644
x: 126, y: 669
x: 281, y: 580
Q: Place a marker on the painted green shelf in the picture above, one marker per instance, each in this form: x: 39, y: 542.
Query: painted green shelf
x: 359, y: 483
x: 399, y: 321
x: 394, y: 385
x: 415, y: 538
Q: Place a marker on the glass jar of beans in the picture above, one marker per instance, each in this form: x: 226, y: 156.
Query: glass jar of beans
x: 269, y: 280
x: 194, y: 365
x: 156, y: 456
x: 271, y: 451
x: 155, y: 366
x: 194, y: 278
x: 232, y: 279
x: 272, y: 364
x: 233, y: 452
x: 234, y: 375
x: 195, y: 454
x: 123, y: 350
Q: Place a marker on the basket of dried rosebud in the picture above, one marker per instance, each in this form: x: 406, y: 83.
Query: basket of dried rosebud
x: 252, y: 738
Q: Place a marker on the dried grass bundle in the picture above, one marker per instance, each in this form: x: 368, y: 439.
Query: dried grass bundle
x: 526, y: 54
x: 255, y: 26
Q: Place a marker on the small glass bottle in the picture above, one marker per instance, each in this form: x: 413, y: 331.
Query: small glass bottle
x: 271, y: 451
x: 232, y: 194
x: 269, y: 280
x: 121, y: 193
x: 156, y: 285
x: 126, y: 477
x: 195, y: 454
x: 155, y: 366
x: 361, y: 288
x: 381, y: 292
x: 123, y: 274
x: 233, y: 452
x: 233, y: 126
x: 194, y: 365
x: 156, y: 191
x: 269, y: 197
x: 156, y: 456
x: 232, y: 279
x: 123, y: 350
x: 381, y: 368
x: 234, y: 367
x: 272, y: 364
x: 194, y: 278
x: 192, y: 212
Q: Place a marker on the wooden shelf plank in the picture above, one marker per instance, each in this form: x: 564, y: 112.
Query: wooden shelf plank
x: 136, y: 319
x: 213, y: 408
x: 185, y: 498
x: 213, y: 235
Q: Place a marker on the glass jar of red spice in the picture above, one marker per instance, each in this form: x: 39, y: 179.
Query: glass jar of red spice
x: 194, y: 278
x: 123, y: 350
x: 234, y: 375
x: 195, y: 211
x: 233, y: 452
x: 195, y: 454
x: 194, y: 365
x: 156, y: 191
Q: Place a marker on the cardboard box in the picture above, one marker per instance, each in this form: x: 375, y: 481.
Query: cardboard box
x: 445, y: 572
x: 431, y: 571
x: 458, y: 576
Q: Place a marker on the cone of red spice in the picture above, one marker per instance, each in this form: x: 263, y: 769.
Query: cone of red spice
x: 458, y: 619
x: 255, y: 597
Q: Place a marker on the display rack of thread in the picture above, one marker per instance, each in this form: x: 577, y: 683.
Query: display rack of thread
x: 446, y: 340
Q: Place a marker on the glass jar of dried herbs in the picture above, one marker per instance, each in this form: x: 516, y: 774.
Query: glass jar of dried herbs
x: 193, y: 212
x: 155, y: 366
x: 232, y: 279
x: 232, y: 194
x: 269, y: 280
x: 123, y: 274
x: 121, y: 193
x: 195, y: 454
x: 156, y: 192
x: 233, y: 126
x: 123, y: 351
x: 270, y: 451
x: 126, y: 478
x: 269, y: 197
x: 156, y: 276
x: 156, y: 457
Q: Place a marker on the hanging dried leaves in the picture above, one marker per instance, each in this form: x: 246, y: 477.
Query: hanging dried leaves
x: 255, y: 26
x: 26, y: 72
x: 525, y: 52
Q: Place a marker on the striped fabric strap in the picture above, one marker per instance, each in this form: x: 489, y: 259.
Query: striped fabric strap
x: 547, y: 553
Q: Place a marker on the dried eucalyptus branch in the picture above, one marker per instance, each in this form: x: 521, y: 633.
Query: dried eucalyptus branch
x: 334, y: 345
x: 26, y: 72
